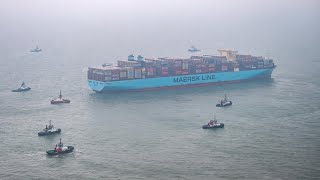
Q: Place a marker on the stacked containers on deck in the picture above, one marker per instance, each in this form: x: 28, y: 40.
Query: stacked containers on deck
x: 150, y: 72
x: 236, y: 66
x: 163, y: 67
x: 224, y: 67
x: 97, y: 74
x: 130, y: 72
x: 211, y: 64
x: 197, y: 65
x: 185, y: 66
x: 245, y: 61
x: 204, y: 68
x: 259, y: 62
x: 90, y: 73
x: 107, y: 75
x: 268, y: 63
x: 150, y: 68
x: 129, y: 64
x: 221, y: 62
x: 123, y: 73
x: 115, y: 74
x: 177, y: 66
x: 233, y: 66
x: 138, y: 73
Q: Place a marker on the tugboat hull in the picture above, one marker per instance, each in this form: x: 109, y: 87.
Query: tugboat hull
x: 54, y: 152
x: 221, y: 125
x: 45, y: 133
x: 225, y: 104
x: 60, y: 102
x: 21, y: 90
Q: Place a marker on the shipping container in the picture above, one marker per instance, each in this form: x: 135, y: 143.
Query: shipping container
x: 185, y: 71
x: 224, y: 67
x: 137, y: 73
x: 115, y: 78
x: 123, y: 74
x: 107, y: 78
x: 185, y: 64
x: 178, y: 72
x: 165, y: 73
x: 204, y: 69
x: 129, y: 63
x: 211, y: 69
x: 150, y: 72
x: 107, y: 72
x: 130, y: 73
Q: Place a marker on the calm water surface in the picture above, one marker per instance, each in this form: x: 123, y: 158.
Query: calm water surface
x: 271, y: 132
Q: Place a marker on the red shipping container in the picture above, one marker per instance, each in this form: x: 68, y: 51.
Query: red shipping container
x: 164, y: 73
x: 164, y: 68
x: 185, y: 71
x: 212, y: 69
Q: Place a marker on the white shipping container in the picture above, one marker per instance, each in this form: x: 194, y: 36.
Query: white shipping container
x: 185, y: 65
x: 107, y: 72
x: 137, y: 75
x: 123, y: 74
x: 108, y: 78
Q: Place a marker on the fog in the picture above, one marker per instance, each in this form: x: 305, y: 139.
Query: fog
x: 160, y: 27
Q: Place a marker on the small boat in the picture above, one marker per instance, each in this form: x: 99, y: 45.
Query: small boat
x: 22, y: 88
x: 193, y: 49
x: 213, y: 124
x: 49, y: 130
x: 60, y: 100
x: 60, y: 149
x: 224, y: 102
x: 37, y: 49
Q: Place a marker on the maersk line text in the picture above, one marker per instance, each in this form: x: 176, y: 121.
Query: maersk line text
x: 194, y: 78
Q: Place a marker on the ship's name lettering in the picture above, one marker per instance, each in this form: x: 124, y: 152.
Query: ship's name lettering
x: 194, y: 78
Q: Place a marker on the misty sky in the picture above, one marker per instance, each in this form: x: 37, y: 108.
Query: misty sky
x: 150, y: 24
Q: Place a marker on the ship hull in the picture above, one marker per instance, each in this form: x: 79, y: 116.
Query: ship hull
x: 180, y: 81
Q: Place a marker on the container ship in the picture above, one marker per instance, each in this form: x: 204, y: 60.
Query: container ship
x: 154, y: 73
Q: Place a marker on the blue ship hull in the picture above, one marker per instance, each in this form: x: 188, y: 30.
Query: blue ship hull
x: 180, y: 81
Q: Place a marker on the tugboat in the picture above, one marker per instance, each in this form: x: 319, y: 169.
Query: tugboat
x: 224, y: 102
x: 193, y: 49
x: 213, y: 124
x: 23, y: 87
x: 37, y: 49
x: 49, y: 130
x: 60, y: 100
x: 60, y: 149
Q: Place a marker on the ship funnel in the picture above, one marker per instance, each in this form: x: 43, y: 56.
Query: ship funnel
x: 140, y: 58
x: 131, y: 57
